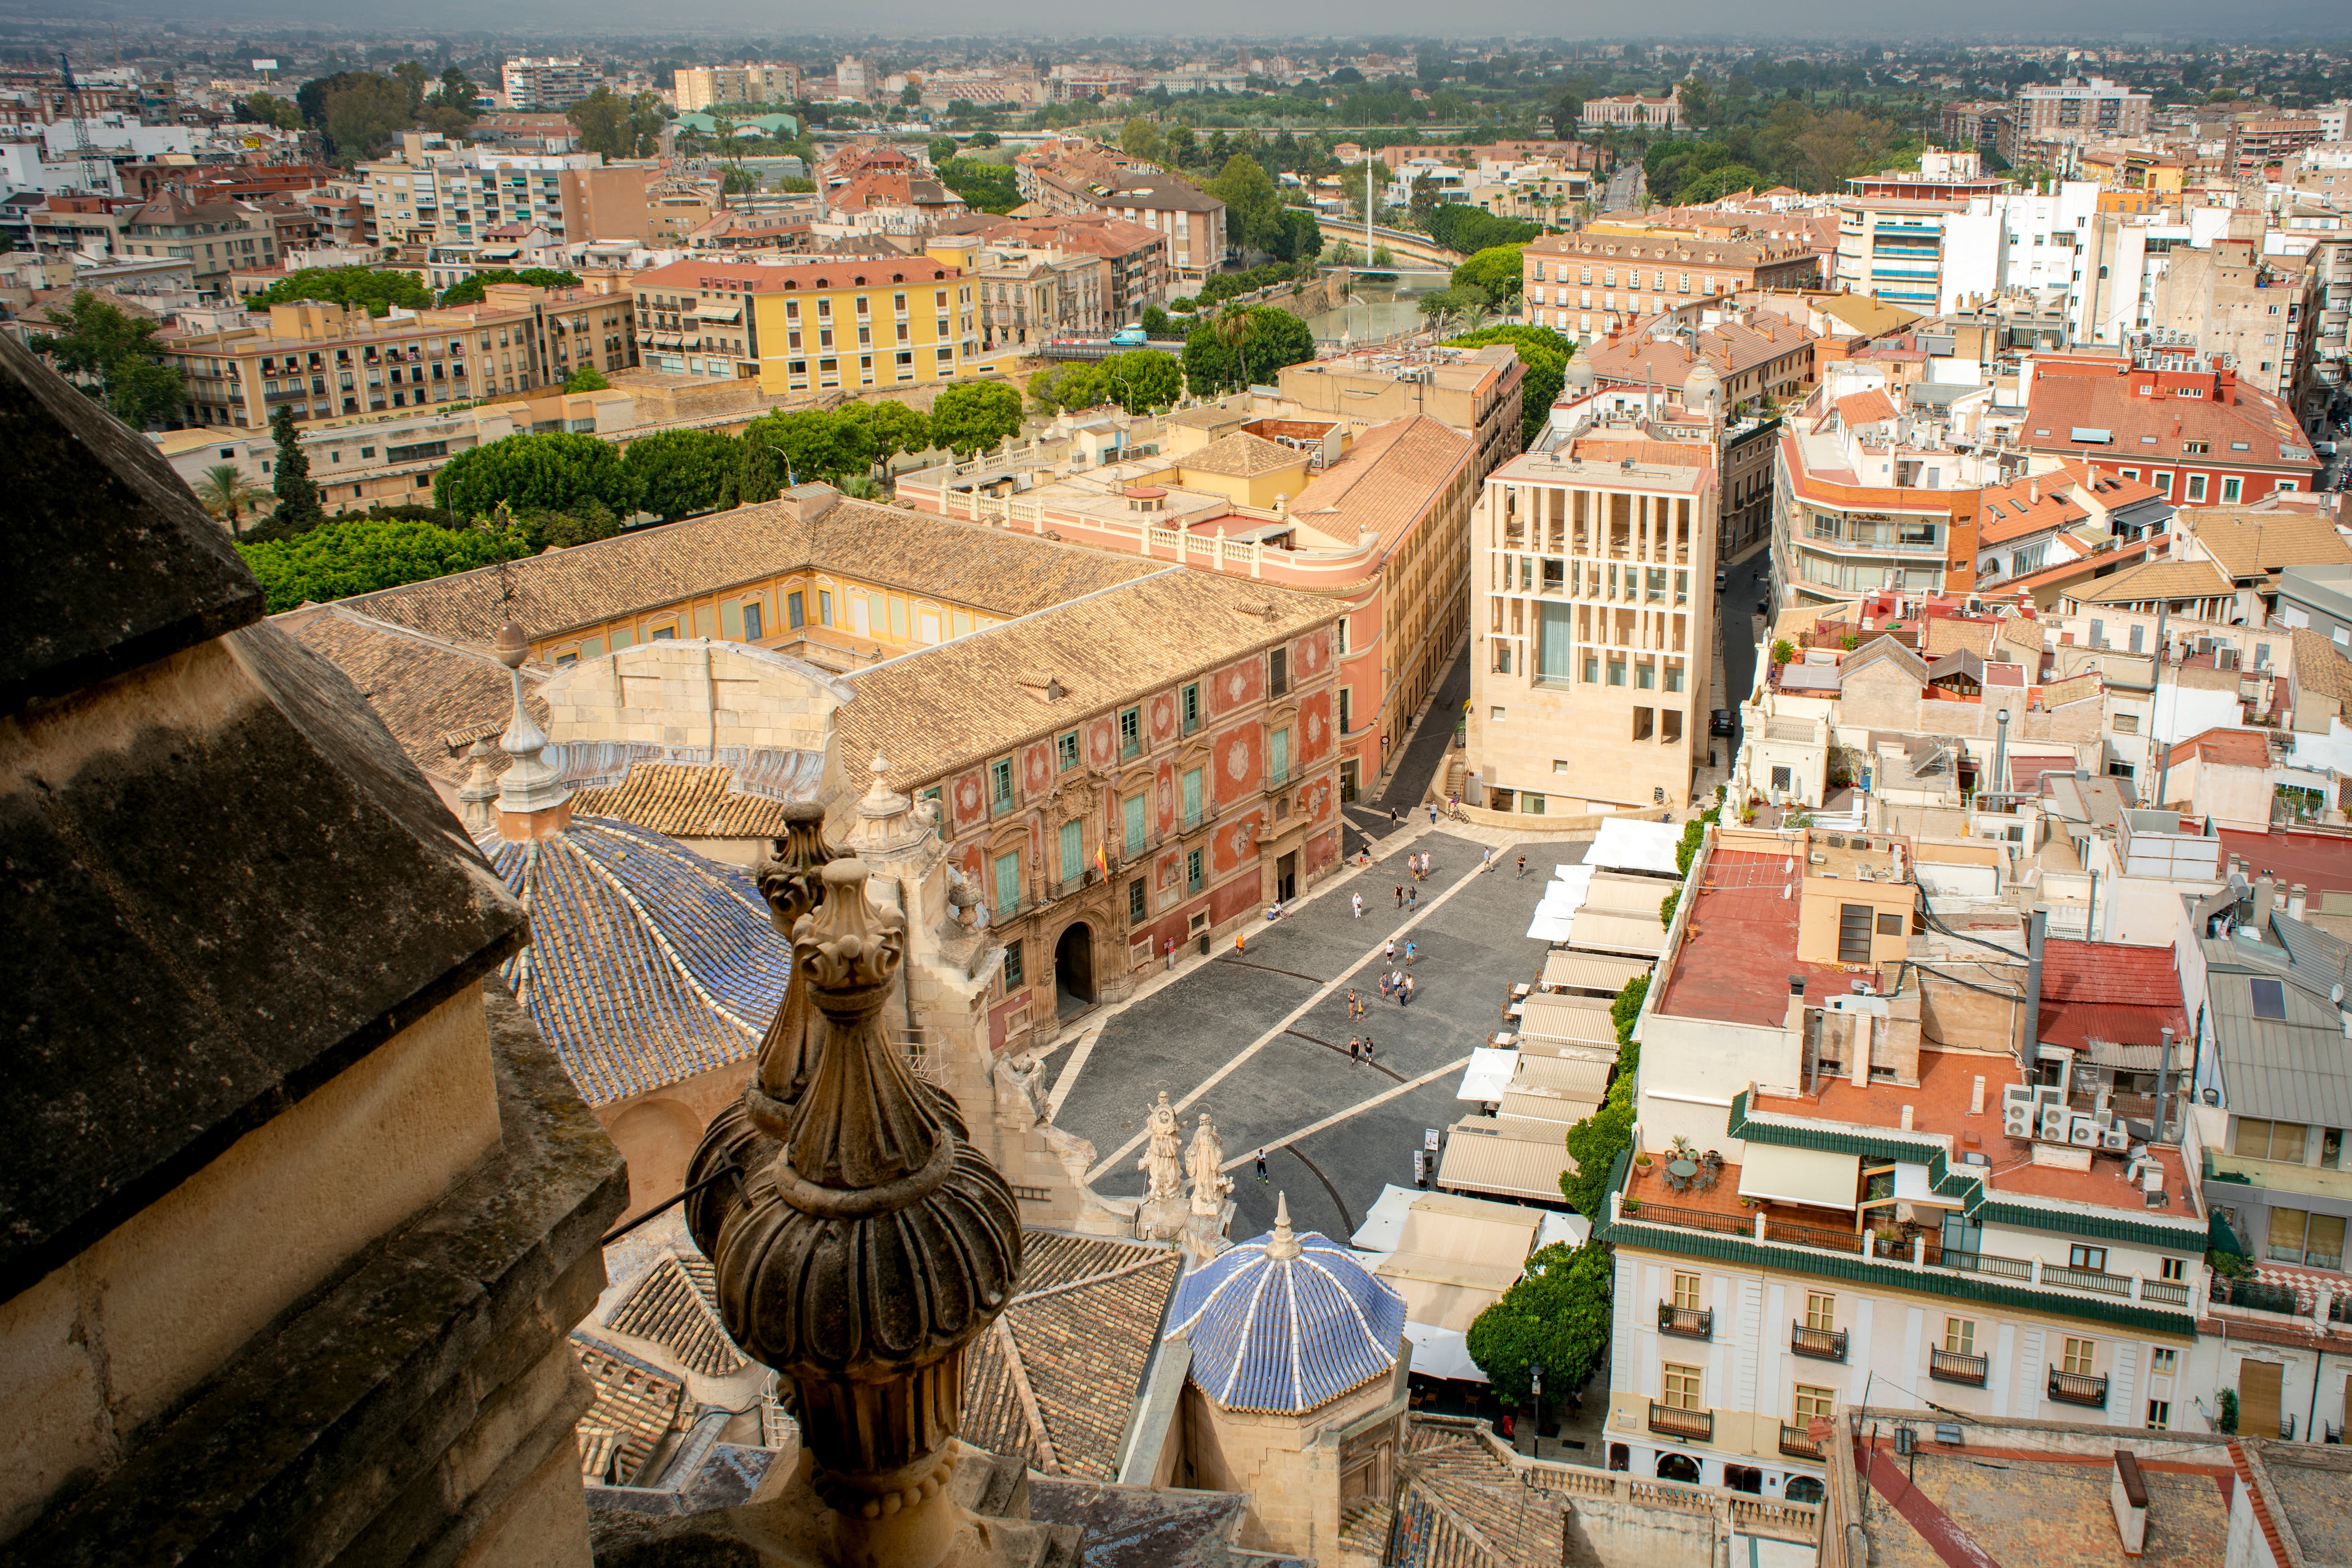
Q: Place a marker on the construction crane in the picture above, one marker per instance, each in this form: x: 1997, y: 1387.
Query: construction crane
x: 94, y: 174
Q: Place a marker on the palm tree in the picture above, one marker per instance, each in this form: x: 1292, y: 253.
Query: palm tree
x: 226, y: 494
x: 1232, y: 327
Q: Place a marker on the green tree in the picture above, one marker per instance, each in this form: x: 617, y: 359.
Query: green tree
x: 1496, y: 271
x: 894, y: 427
x: 1556, y: 1313
x: 974, y: 415
x: 1382, y: 258
x: 1594, y: 1144
x: 1156, y: 322
x: 586, y: 378
x: 1239, y: 347
x: 227, y: 494
x: 350, y: 286
x: 1140, y: 139
x: 363, y: 115
x: 940, y: 149
x: 298, y: 497
x: 556, y: 471
x: 1545, y: 355
x: 759, y: 474
x: 1298, y: 237
x: 337, y: 560
x: 676, y: 473
x: 1422, y: 203
x: 269, y: 109
x: 1142, y: 379
x: 984, y: 187
x: 1181, y: 148
x: 1253, y: 208
x: 803, y: 447
x: 618, y: 127
x: 469, y: 291
x: 113, y: 356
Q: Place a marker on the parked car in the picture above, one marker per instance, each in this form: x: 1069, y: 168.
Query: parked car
x: 1719, y: 722
x: 1722, y: 581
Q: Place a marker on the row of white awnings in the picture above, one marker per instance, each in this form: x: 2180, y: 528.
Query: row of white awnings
x: 719, y: 312
x: 1567, y: 969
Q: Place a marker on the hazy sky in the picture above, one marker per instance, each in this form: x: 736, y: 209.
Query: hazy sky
x: 2087, y: 21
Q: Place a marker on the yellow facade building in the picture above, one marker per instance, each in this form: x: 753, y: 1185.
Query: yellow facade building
x: 845, y: 323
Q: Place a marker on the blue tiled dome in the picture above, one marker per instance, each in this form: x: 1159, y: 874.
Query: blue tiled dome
x: 647, y: 964
x: 1290, y: 1331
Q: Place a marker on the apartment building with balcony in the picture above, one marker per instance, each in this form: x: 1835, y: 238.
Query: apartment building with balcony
x: 1871, y: 1157
x: 2081, y: 108
x: 1139, y: 768
x: 547, y: 81
x: 809, y: 326
x: 708, y: 87
x: 431, y: 195
x: 327, y: 362
x: 1599, y: 279
x: 1594, y: 563
x: 1864, y: 501
x: 2201, y: 438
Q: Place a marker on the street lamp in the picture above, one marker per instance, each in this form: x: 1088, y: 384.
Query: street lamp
x: 1535, y: 1436
x: 790, y: 482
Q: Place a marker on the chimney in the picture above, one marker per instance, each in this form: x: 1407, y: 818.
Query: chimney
x: 2298, y: 898
x: 2163, y: 1086
x: 1976, y: 1097
x: 2128, y: 1495
x: 2033, y: 984
x: 2263, y: 893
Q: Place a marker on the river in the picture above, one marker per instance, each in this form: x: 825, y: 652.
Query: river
x: 1377, y: 311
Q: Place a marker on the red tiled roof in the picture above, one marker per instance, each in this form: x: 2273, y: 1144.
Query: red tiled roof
x: 1864, y: 408
x: 2228, y: 748
x: 2062, y: 403
x: 2028, y: 506
x: 2323, y: 863
x: 1739, y: 945
x: 2105, y: 991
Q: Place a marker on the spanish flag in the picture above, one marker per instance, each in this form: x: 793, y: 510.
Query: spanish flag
x: 1102, y: 862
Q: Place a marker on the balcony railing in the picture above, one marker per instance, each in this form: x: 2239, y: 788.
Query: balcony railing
x: 1797, y: 1443
x: 1987, y: 1263
x: 1821, y: 1345
x: 2087, y: 1279
x: 2164, y: 1292
x: 1951, y: 1366
x: 1687, y: 1322
x: 2077, y: 1388
x: 1674, y: 1421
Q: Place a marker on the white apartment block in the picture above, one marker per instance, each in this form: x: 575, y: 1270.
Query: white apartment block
x: 547, y: 81
x: 707, y: 86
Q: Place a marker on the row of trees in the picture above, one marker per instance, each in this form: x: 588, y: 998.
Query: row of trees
x: 1138, y: 381
x: 358, y: 112
x: 1784, y: 143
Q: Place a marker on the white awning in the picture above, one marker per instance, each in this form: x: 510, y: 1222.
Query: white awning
x: 1489, y: 1074
x: 1912, y: 1186
x: 1800, y: 1176
x: 1571, y: 1229
x: 1384, y: 1222
x: 1630, y: 845
x: 1548, y: 927
x: 1620, y: 931
x: 1584, y: 1020
x: 1577, y: 1078
x: 1591, y: 971
x: 721, y: 313
x: 1481, y: 1162
x: 1442, y: 1353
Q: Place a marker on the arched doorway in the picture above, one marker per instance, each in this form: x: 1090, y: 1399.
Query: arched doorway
x: 1677, y: 1468
x: 1074, y: 970
x: 1804, y: 1488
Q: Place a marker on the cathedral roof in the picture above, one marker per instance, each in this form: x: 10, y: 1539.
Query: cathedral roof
x: 1286, y: 1324
x: 647, y: 962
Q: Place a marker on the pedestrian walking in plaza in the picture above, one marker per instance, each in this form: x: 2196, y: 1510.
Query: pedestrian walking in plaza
x: 1408, y: 987
x: 1409, y: 951
x: 1384, y: 982
x: 1261, y: 1165
x: 1355, y: 1048
x: 1433, y: 813
x: 1486, y: 861
x: 1412, y: 897
x: 1355, y: 1009
x: 1358, y: 899
x: 1388, y: 949
x: 1392, y: 817
x: 1241, y: 945
x: 1367, y: 1050
x: 1523, y: 865
x: 1400, y: 895
x: 1172, y: 955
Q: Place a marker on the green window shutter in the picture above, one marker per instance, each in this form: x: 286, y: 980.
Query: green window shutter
x: 1008, y: 883
x: 1133, y: 809
x: 1278, y: 755
x: 1192, y: 795
x: 1073, y: 850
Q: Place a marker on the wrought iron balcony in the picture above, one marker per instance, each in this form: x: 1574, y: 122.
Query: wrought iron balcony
x: 1687, y: 1322
x: 1674, y: 1421
x: 1950, y: 1366
x: 2077, y: 1388
x: 1821, y: 1345
x: 1797, y: 1443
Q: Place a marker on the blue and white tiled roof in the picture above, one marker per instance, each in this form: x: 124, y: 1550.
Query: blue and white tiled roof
x: 1286, y: 1325
x: 647, y: 964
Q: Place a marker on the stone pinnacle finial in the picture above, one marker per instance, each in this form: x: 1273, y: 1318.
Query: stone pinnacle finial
x: 531, y: 783
x: 1281, y: 1246
x: 864, y: 1258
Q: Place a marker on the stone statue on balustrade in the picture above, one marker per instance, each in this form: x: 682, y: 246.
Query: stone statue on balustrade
x: 1211, y: 1210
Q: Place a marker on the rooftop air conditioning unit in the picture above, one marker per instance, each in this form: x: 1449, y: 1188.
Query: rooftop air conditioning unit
x: 2017, y: 1121
x: 2083, y: 1132
x: 2117, y: 1138
x: 2016, y: 1094
x: 2053, y: 1123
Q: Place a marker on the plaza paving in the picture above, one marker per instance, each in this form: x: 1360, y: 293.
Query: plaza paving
x: 1260, y: 1042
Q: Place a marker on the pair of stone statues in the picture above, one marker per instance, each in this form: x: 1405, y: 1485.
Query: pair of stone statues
x: 1167, y: 1212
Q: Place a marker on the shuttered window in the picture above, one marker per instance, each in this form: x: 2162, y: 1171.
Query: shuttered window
x: 1074, y: 851
x: 1853, y: 933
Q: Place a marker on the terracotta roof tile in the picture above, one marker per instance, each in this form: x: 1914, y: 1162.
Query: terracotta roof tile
x: 2319, y: 669
x: 2156, y: 580
x: 1242, y: 455
x: 436, y: 696
x: 2254, y: 544
x: 676, y: 1305
x: 2224, y: 748
x: 992, y: 569
x: 684, y: 801
x: 637, y: 1404
x: 938, y: 709
x: 1388, y: 481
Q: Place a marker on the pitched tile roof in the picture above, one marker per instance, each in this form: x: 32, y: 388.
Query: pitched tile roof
x: 2127, y: 995
x: 685, y: 801
x: 2224, y: 748
x: 1243, y: 456
x: 2027, y: 507
x: 940, y: 708
x: 647, y: 964
x: 2320, y: 669
x: 1058, y: 1380
x: 676, y: 1305
x: 636, y: 1405
x: 2254, y: 544
x: 2155, y: 580
x: 1391, y: 476
x: 2074, y: 689
x: 2058, y: 405
x: 1861, y: 408
x: 990, y: 569
x: 437, y: 697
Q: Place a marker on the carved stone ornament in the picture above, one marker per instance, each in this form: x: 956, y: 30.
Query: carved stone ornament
x: 748, y: 1131
x: 864, y: 1257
